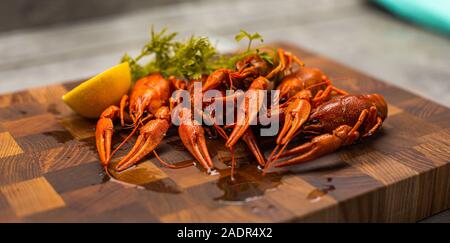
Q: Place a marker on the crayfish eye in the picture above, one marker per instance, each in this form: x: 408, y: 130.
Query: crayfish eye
x: 312, y: 122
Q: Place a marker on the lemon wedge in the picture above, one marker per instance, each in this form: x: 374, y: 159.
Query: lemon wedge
x: 90, y: 98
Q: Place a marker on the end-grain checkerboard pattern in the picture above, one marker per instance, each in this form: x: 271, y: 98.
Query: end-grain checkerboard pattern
x: 49, y: 170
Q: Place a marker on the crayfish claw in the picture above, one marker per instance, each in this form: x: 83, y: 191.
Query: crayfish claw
x: 248, y: 110
x: 318, y: 146
x: 296, y: 114
x: 151, y: 135
x: 193, y: 137
x: 104, y: 132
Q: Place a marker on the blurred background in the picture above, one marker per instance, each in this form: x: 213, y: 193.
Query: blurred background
x: 49, y: 41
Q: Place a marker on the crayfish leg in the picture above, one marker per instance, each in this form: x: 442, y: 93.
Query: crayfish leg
x: 123, y: 103
x: 309, y: 155
x: 250, y: 140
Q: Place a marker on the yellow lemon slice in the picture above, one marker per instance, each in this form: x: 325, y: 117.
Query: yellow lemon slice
x: 90, y: 98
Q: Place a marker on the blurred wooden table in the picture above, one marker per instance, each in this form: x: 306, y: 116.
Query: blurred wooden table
x: 350, y: 31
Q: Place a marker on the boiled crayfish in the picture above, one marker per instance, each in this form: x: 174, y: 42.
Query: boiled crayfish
x: 148, y: 108
x: 338, y: 122
x: 310, y: 106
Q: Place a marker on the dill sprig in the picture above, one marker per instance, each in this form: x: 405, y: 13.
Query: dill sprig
x: 192, y: 59
x: 160, y: 46
x: 189, y: 59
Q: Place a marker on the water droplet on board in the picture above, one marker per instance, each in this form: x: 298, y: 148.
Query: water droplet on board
x: 316, y: 194
x: 248, y: 184
x: 255, y: 209
x: 140, y: 177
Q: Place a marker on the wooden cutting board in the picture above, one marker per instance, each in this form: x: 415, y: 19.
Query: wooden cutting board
x: 49, y: 170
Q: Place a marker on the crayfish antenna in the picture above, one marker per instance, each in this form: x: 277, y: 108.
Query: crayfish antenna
x: 125, y: 140
x: 233, y: 163
x: 224, y: 135
x: 170, y: 165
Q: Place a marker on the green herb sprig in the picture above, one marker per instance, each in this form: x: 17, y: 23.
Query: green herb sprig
x: 193, y: 58
x: 188, y: 59
x: 161, y: 46
x: 251, y: 37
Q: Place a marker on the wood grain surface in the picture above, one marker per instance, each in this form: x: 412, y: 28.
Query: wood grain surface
x: 49, y: 170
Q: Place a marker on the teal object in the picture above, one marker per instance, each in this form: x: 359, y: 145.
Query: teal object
x: 434, y: 14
